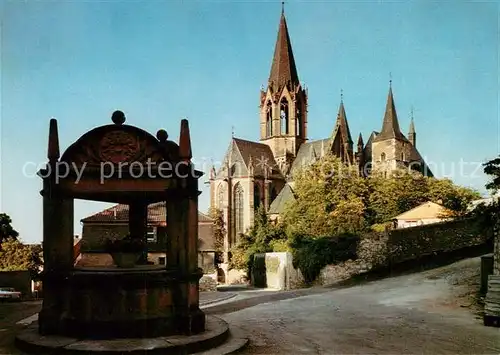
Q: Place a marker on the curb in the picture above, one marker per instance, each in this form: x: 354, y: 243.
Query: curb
x: 217, y: 300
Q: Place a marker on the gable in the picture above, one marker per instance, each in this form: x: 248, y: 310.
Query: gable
x: 240, y: 152
x: 232, y: 157
x: 428, y: 210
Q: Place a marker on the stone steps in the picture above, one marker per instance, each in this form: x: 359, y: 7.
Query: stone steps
x: 492, y: 302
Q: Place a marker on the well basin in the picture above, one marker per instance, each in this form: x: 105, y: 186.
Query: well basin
x: 104, y: 303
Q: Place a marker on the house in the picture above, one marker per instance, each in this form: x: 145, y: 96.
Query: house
x: 113, y: 222
x: 427, y: 213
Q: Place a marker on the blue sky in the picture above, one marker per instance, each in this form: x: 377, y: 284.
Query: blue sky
x: 161, y: 61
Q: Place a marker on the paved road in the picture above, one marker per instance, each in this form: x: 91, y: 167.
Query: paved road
x: 13, y: 312
x: 10, y: 314
x: 412, y: 314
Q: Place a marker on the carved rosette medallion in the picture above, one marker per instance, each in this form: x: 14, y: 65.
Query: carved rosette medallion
x: 118, y: 146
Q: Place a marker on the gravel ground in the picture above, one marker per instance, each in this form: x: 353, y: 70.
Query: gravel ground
x: 10, y: 313
x: 412, y: 314
x: 432, y: 312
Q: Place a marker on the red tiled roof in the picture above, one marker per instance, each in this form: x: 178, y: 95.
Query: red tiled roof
x: 119, y: 214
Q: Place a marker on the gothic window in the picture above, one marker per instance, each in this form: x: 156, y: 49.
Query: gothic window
x: 402, y: 156
x: 238, y: 209
x: 221, y: 194
x: 269, y: 119
x: 256, y: 196
x: 382, y: 157
x: 284, y: 114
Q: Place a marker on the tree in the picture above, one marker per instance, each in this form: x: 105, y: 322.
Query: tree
x: 15, y: 255
x: 492, y: 169
x: 456, y: 198
x: 219, y: 229
x: 405, y: 190
x: 219, y: 232
x: 259, y: 239
x: 330, y: 199
x: 6, y: 230
x: 487, y: 215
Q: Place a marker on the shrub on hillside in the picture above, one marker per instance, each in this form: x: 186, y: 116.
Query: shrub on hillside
x: 310, y: 254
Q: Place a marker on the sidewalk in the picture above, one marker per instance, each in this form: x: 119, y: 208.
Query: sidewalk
x: 207, y: 298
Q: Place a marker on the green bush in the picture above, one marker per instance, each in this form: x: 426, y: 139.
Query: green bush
x: 310, y: 255
x: 280, y: 245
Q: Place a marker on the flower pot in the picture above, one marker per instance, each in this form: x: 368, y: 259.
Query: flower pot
x: 125, y: 260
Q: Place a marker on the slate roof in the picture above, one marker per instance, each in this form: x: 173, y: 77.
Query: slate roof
x: 341, y: 125
x: 309, y: 152
x: 283, y: 69
x: 119, y: 214
x: 367, y: 150
x: 390, y: 126
x: 240, y: 152
x: 278, y: 205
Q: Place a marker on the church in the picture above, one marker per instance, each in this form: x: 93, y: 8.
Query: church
x: 261, y: 173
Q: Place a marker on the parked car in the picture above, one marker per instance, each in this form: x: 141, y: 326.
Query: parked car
x: 9, y: 294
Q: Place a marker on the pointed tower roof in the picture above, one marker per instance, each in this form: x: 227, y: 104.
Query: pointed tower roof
x: 360, y: 140
x: 283, y: 69
x: 412, y: 127
x: 390, y: 127
x: 341, y: 126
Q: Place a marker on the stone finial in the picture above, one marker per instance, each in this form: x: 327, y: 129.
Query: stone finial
x: 53, y: 149
x: 162, y: 135
x: 212, y: 173
x: 185, y: 141
x: 118, y: 117
x: 312, y: 154
x: 250, y: 166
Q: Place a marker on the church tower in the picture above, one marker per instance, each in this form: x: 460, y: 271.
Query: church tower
x: 390, y: 148
x: 283, y: 105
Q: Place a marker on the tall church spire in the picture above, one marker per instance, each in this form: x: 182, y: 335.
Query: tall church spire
x: 283, y: 104
x: 283, y: 69
x: 342, y: 126
x: 390, y: 126
x: 412, y: 135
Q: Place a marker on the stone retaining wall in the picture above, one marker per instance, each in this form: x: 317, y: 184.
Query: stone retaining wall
x: 20, y: 280
x: 413, y: 243
x: 383, y: 250
x: 496, y: 255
